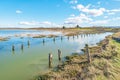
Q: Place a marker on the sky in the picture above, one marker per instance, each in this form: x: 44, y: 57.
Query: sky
x: 56, y: 13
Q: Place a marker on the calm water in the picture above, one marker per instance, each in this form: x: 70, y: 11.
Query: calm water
x: 23, y: 65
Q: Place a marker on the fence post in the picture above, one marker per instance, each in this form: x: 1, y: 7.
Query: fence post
x: 22, y: 46
x: 13, y: 48
x: 54, y: 39
x: 28, y: 43
x: 68, y: 37
x: 88, y: 53
x: 61, y: 38
x: 50, y: 60
x: 43, y: 42
x: 73, y: 37
x: 59, y: 54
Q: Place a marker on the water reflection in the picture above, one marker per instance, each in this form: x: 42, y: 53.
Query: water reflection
x: 13, y: 52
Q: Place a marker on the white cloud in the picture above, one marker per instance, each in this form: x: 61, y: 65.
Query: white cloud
x: 73, y: 2
x: 28, y: 23
x: 114, y: 10
x: 99, y: 22
x: 94, y: 12
x: 72, y: 15
x: 39, y: 24
x: 46, y: 23
x: 82, y: 18
x: 111, y: 13
x: 105, y: 16
x: 19, y: 11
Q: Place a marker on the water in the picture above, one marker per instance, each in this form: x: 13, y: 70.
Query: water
x: 33, y: 59
x: 24, y: 33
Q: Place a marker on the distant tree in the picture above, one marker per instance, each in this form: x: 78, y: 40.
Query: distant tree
x: 77, y: 26
x: 63, y: 27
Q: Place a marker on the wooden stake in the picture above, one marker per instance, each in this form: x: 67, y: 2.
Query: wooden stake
x: 50, y: 60
x: 54, y: 39
x: 28, y: 43
x: 61, y: 38
x: 59, y: 55
x: 88, y: 53
x: 68, y: 37
x: 43, y: 42
x: 22, y: 46
x: 13, y: 48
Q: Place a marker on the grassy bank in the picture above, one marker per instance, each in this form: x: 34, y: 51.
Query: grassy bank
x: 104, y: 65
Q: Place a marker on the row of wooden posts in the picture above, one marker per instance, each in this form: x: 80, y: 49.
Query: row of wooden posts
x: 50, y: 57
x: 22, y: 46
x: 87, y: 52
x: 59, y: 52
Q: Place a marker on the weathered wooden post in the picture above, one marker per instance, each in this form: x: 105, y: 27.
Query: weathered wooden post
x: 88, y: 53
x: 59, y: 54
x: 77, y: 36
x: 73, y: 37
x: 61, y: 38
x: 68, y: 37
x: 50, y: 60
x: 22, y: 46
x: 13, y: 48
x: 54, y: 39
x: 43, y: 42
x: 28, y: 43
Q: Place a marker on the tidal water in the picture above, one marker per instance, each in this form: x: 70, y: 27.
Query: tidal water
x: 33, y: 59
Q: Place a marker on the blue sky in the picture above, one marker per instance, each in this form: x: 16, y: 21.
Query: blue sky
x: 56, y: 13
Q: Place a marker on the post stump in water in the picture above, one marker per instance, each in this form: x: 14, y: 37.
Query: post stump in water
x: 28, y: 43
x: 50, y: 60
x: 13, y: 48
x: 59, y: 54
x: 43, y: 42
x: 88, y: 53
x: 68, y: 37
x: 54, y: 39
x: 22, y: 46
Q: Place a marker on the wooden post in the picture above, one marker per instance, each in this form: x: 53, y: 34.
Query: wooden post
x: 88, y: 53
x: 59, y: 54
x: 77, y: 36
x: 54, y: 39
x: 68, y: 37
x: 61, y: 38
x: 73, y: 37
x: 13, y: 48
x: 28, y: 43
x: 22, y: 46
x: 43, y: 42
x: 50, y: 60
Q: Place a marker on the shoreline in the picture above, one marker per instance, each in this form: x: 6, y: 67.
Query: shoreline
x: 63, y: 32
x: 103, y: 66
